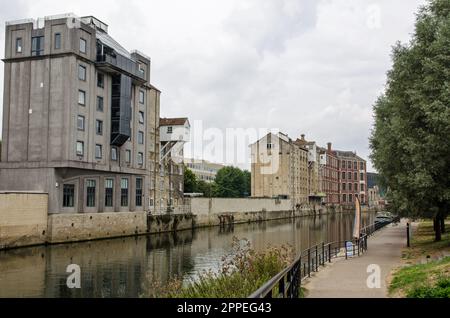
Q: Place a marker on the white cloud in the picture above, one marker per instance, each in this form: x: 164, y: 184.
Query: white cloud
x: 313, y: 67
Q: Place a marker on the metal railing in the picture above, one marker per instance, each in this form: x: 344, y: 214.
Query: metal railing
x: 287, y: 283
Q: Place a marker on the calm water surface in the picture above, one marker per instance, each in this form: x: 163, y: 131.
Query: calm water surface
x: 125, y: 267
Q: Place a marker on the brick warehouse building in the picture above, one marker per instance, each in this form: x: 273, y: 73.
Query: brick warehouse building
x: 352, y: 178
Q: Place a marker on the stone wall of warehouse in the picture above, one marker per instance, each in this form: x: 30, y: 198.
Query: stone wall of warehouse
x: 85, y: 226
x: 213, y: 211
x: 23, y: 219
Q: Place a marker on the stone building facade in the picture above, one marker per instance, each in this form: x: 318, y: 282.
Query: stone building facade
x: 329, y: 175
x: 279, y: 169
x: 80, y: 117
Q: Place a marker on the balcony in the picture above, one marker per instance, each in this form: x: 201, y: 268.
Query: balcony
x: 116, y: 63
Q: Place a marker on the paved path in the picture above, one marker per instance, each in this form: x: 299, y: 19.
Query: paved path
x: 348, y: 278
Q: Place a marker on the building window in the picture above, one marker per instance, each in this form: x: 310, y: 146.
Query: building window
x: 356, y: 176
x: 127, y: 156
x: 140, y: 137
x: 57, y: 41
x: 98, y: 151
x: 141, y: 97
x: 344, y: 198
x: 362, y: 198
x: 83, y: 45
x: 169, y: 130
x: 362, y: 176
x: 81, y: 72
x: 349, y: 176
x: 362, y: 188
x: 349, y: 164
x: 344, y: 187
x: 138, y: 191
x: 68, y: 195
x: 349, y: 187
x: 90, y: 193
x: 100, y: 80
x: 109, y: 190
x: 350, y: 198
x: 114, y: 153
x: 80, y: 148
x: 37, y: 45
x: 152, y: 203
x: 140, y: 158
x: 80, y: 122
x: 141, y: 117
x: 99, y: 127
x: 82, y: 97
x: 99, y: 103
x: 356, y: 187
x: 19, y: 45
x: 124, y: 192
x: 343, y: 175
x: 361, y: 165
x: 355, y: 165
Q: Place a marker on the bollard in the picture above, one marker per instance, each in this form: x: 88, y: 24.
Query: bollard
x: 408, y: 243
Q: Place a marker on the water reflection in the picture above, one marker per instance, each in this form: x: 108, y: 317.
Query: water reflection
x: 125, y: 267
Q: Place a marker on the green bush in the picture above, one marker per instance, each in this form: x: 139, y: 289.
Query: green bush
x: 242, y: 272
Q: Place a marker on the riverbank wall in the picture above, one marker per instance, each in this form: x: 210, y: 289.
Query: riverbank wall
x: 24, y: 218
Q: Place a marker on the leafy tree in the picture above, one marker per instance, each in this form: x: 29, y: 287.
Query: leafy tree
x: 190, y: 181
x: 206, y: 188
x: 230, y: 183
x: 410, y: 139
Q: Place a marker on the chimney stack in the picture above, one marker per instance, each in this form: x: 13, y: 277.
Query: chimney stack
x: 303, y: 137
x: 329, y: 146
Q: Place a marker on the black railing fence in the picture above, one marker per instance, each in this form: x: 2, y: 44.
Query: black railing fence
x: 287, y: 283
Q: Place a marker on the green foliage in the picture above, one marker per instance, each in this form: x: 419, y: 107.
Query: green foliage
x: 429, y: 280
x: 243, y: 271
x: 232, y: 182
x: 190, y: 181
x: 410, y: 140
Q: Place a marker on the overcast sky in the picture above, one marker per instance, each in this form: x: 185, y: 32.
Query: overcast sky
x: 301, y: 66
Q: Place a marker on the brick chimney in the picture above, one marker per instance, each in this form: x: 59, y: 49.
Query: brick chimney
x: 329, y: 146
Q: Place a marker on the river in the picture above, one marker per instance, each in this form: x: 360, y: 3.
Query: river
x: 126, y: 267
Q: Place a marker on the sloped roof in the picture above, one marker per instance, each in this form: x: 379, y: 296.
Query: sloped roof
x: 173, y: 121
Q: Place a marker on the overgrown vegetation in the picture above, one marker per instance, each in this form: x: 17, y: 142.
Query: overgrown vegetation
x: 427, y: 273
x: 241, y: 273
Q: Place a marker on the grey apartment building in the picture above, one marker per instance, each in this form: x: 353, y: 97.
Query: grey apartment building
x: 80, y: 117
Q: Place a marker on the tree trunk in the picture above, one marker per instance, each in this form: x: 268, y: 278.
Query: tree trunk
x: 437, y: 229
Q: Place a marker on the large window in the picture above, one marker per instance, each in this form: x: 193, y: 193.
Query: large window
x: 124, y: 192
x: 344, y: 198
x: 80, y: 122
x: 140, y: 158
x: 114, y: 153
x: 90, y: 193
x: 83, y: 45
x: 140, y: 137
x: 100, y: 80
x: 361, y: 176
x: 81, y: 72
x: 361, y: 165
x: 138, y: 191
x: 349, y: 175
x: 141, y: 117
x: 109, y: 191
x: 99, y: 127
x: 343, y: 175
x: 19, y: 45
x: 98, y: 152
x: 356, y: 176
x: 350, y: 198
x: 127, y: 156
x: 57, y: 41
x: 68, y: 195
x: 37, y: 46
x: 349, y: 187
x: 356, y: 187
x: 99, y: 103
x: 80, y: 148
x: 362, y: 188
x: 141, y: 97
x: 82, y: 97
x: 169, y: 130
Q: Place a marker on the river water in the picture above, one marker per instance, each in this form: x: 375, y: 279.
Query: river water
x: 126, y: 267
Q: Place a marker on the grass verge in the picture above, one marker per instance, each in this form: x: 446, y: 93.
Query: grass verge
x: 426, y: 270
